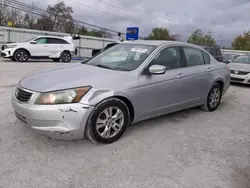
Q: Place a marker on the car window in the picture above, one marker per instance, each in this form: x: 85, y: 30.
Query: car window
x: 123, y: 56
x: 41, y: 41
x: 242, y: 59
x: 169, y: 57
x: 193, y: 56
x: 206, y: 58
x: 56, y: 41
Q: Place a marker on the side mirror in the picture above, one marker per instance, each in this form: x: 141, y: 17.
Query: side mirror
x: 157, y: 69
x: 33, y: 42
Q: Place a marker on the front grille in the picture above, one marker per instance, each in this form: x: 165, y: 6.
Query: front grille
x: 23, y: 96
x: 237, y: 79
x: 239, y: 72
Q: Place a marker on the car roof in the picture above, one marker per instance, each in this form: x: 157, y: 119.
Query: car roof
x: 160, y: 42
x: 49, y: 36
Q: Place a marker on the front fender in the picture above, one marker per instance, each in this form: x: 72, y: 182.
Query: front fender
x: 96, y: 96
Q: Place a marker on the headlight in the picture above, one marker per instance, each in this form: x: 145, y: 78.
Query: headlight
x: 10, y: 46
x: 63, y: 96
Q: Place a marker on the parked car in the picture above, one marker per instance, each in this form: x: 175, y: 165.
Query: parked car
x: 42, y: 47
x: 240, y: 69
x: 228, y: 58
x: 215, y: 52
x: 125, y: 84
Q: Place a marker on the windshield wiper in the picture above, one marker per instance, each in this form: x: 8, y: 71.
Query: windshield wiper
x: 106, y: 67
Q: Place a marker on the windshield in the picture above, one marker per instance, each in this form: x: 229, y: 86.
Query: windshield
x: 242, y: 59
x: 126, y: 57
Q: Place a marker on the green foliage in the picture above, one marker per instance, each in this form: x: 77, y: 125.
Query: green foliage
x: 198, y: 37
x: 93, y: 33
x: 159, y: 33
x: 242, y: 42
x: 61, y: 16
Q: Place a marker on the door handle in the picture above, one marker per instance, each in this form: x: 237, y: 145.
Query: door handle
x: 45, y: 46
x: 179, y: 75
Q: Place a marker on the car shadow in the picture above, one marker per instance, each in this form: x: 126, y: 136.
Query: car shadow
x: 240, y: 85
x: 37, y: 61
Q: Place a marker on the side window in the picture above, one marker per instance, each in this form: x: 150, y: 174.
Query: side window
x: 42, y: 41
x: 169, y: 57
x: 206, y: 58
x: 194, y: 56
x: 56, y: 41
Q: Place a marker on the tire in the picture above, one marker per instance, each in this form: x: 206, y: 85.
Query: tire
x: 66, y: 57
x: 215, y: 93
x: 56, y: 59
x: 21, y: 56
x: 108, y: 130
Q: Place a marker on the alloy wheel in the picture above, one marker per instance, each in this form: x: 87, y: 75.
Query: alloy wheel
x: 22, y: 56
x: 110, y: 122
x: 214, y: 97
x: 66, y: 57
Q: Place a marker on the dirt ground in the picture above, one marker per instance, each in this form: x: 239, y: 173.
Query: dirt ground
x: 187, y: 149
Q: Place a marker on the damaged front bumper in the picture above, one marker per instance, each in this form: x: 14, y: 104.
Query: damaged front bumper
x: 63, y: 122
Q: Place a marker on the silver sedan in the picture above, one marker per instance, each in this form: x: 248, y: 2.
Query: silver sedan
x: 125, y: 84
x: 240, y: 69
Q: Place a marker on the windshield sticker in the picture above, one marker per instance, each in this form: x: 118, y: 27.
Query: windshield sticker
x: 141, y: 50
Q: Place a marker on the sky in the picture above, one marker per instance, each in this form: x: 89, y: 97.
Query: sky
x: 224, y: 18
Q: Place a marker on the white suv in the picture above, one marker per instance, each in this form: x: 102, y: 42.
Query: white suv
x: 42, y: 47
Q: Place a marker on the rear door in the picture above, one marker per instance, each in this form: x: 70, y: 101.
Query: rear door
x: 196, y: 75
x: 56, y: 45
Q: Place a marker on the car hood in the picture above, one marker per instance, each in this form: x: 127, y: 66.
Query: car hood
x: 74, y: 75
x: 239, y: 66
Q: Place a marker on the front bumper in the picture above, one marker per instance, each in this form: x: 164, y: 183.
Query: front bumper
x: 7, y: 53
x: 63, y: 122
x: 244, y: 79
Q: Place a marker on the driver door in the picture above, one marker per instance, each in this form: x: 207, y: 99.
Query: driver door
x: 40, y: 48
x: 161, y: 93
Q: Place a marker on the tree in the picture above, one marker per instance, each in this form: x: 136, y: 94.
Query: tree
x: 198, y: 37
x: 242, y: 42
x: 44, y: 23
x: 61, y: 16
x: 94, y: 33
x: 4, y: 11
x: 159, y: 33
x: 17, y: 18
x: 31, y: 18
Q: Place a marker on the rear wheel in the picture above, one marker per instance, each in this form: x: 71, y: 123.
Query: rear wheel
x: 213, y: 98
x: 21, y: 56
x: 66, y: 57
x: 108, y: 121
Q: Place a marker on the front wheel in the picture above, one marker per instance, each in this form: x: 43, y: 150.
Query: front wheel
x: 108, y: 121
x: 66, y: 57
x: 21, y: 56
x: 213, y: 98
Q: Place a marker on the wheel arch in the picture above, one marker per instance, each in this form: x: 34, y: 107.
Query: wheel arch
x: 97, y: 99
x: 22, y: 49
x: 219, y: 81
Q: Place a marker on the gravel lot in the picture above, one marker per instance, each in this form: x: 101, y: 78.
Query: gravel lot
x: 188, y: 149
